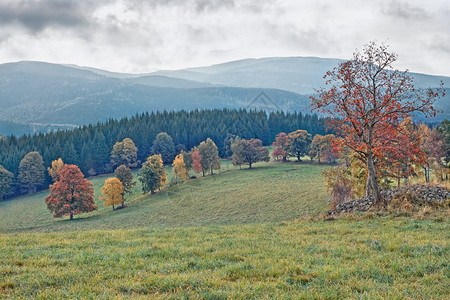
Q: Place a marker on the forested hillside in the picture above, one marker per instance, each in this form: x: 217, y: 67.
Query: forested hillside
x: 40, y: 97
x: 90, y: 146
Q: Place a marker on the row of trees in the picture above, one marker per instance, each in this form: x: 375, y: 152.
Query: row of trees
x: 89, y: 147
x: 300, y: 143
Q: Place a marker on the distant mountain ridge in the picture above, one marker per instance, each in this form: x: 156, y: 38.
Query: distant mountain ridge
x: 38, y: 96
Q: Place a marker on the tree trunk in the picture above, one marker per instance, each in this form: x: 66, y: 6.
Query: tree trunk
x: 203, y: 171
x: 298, y: 156
x: 372, y: 182
x: 71, y: 216
x: 212, y: 173
x: 113, y: 206
x: 152, y: 192
x: 249, y: 165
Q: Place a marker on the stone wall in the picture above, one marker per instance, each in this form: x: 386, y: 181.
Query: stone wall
x: 421, y: 193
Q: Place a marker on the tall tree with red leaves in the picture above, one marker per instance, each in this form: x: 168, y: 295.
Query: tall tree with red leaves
x: 72, y: 194
x: 369, y: 99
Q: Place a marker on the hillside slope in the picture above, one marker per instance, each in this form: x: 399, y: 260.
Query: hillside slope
x: 269, y: 192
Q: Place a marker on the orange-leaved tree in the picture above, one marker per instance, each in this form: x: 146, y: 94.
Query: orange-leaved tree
x: 112, y: 192
x: 72, y: 194
x: 179, y: 168
x: 368, y: 100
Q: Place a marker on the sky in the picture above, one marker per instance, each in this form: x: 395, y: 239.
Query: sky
x: 140, y: 36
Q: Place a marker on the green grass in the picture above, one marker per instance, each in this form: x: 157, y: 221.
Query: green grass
x: 268, y: 192
x: 238, y: 234
x: 383, y: 258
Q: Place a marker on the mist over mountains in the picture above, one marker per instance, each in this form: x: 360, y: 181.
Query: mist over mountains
x: 38, y: 96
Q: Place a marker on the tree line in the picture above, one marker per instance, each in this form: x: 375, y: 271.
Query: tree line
x: 89, y: 147
x: 72, y: 194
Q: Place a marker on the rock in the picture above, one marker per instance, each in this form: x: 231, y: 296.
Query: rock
x: 420, y: 192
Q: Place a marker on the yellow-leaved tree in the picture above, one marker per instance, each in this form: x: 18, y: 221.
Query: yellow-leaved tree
x: 179, y: 168
x: 112, y: 192
x: 57, y: 166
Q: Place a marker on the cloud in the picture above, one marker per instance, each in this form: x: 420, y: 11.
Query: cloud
x: 142, y: 35
x: 36, y: 16
x: 405, y: 11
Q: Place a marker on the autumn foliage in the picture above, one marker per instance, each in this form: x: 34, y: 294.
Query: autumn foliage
x: 196, y: 161
x: 369, y: 100
x: 112, y: 192
x: 179, y: 168
x: 281, y: 146
x: 54, y: 170
x: 72, y: 194
x: 152, y: 175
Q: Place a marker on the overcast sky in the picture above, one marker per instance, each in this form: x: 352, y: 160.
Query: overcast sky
x: 144, y: 35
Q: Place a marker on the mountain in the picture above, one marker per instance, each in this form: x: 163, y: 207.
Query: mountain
x: 296, y: 74
x: 43, y: 96
x: 38, y: 96
x: 302, y: 75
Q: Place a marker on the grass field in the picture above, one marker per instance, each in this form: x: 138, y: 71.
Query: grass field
x: 268, y: 192
x: 238, y: 234
x: 382, y: 258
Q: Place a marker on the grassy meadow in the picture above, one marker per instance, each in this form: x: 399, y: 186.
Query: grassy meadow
x: 267, y: 192
x: 238, y: 234
x: 380, y: 258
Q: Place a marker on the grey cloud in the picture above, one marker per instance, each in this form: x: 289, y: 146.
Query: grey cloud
x: 405, y: 11
x: 440, y: 43
x: 38, y: 15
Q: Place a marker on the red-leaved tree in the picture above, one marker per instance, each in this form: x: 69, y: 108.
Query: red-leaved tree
x: 72, y: 194
x: 369, y: 100
x: 197, y: 162
x: 280, y: 146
